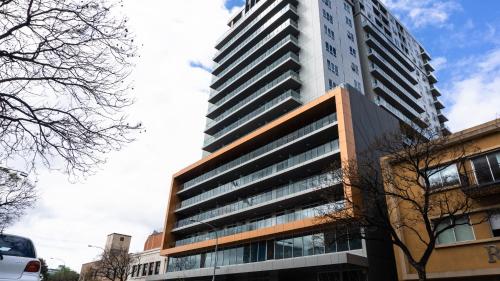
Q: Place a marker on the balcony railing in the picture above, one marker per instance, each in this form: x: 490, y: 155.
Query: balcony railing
x: 259, y: 30
x: 378, y: 58
x: 277, y: 219
x: 255, y: 96
x: 402, y: 104
x: 281, y: 142
x: 270, y: 171
x: 388, y: 44
x: 258, y: 76
x: 266, y: 39
x: 235, y: 28
x: 413, y: 123
x: 252, y: 121
x: 268, y: 105
x: 221, y: 77
x: 480, y: 183
x: 396, y: 86
x: 273, y: 194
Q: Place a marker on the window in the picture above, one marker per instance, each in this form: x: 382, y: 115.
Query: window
x: 354, y: 68
x: 348, y: 21
x: 150, y: 272
x: 445, y: 177
x: 134, y: 268
x: 157, y: 267
x: 487, y: 168
x: 329, y: 32
x: 328, y: 3
x: 331, y: 84
x: 347, y: 7
x: 138, y: 270
x: 327, y: 16
x: 350, y: 36
x: 352, y: 51
x: 330, y: 49
x: 357, y: 85
x: 495, y: 224
x: 144, y: 269
x: 462, y: 231
x: 16, y: 246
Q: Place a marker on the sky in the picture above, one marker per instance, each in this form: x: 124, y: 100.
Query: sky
x: 129, y: 193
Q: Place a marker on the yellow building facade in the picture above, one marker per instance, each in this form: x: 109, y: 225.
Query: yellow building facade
x: 469, y: 251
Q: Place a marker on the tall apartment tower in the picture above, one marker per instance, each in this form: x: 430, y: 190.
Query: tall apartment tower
x: 298, y: 85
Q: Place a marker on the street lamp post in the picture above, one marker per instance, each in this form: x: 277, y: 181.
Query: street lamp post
x: 216, y: 243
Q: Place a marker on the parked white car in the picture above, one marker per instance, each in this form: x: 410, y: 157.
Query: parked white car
x: 18, y: 259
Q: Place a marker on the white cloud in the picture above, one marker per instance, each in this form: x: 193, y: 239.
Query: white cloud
x: 420, y: 13
x: 129, y: 194
x: 475, y: 93
x: 439, y: 63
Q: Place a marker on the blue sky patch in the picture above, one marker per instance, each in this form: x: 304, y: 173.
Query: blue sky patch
x: 234, y: 3
x: 197, y: 64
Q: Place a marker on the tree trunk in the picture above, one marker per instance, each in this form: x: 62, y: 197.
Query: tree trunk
x: 422, y: 274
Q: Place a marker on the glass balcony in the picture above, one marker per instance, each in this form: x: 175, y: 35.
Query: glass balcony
x: 394, y: 111
x: 235, y: 29
x: 270, y: 111
x: 217, y: 80
x: 287, y: 25
x: 394, y: 85
x: 442, y: 118
x: 270, y: 171
x: 340, y: 239
x: 267, y: 106
x: 259, y: 76
x: 286, y: 216
x: 406, y: 104
x: 432, y: 78
x: 438, y: 103
x: 257, y: 96
x: 402, y: 76
x: 389, y: 46
x: 428, y: 67
x: 259, y: 31
x: 435, y: 91
x: 279, y: 143
x: 271, y: 53
x: 314, y: 182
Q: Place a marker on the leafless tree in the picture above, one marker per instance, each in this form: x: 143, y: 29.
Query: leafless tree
x: 63, y: 82
x: 17, y: 194
x: 389, y: 201
x: 114, y: 265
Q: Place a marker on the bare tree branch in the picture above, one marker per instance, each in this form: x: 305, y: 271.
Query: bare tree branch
x: 63, y: 71
x: 17, y: 194
x: 400, y: 197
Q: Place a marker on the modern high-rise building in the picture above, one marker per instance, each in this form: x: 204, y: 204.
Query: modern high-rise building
x: 298, y: 85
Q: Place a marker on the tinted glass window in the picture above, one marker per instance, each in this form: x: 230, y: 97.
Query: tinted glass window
x: 16, y: 246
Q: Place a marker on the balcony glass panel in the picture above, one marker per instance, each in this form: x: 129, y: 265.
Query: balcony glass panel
x: 262, y: 73
x: 266, y: 107
x: 258, y: 30
x: 295, y: 214
x: 284, y: 247
x: 251, y: 65
x: 293, y: 161
x: 251, y: 51
x: 273, y: 194
x: 280, y: 142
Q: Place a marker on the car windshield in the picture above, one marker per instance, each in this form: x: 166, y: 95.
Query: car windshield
x: 16, y: 246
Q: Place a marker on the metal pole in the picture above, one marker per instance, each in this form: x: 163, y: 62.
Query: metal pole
x: 216, y: 243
